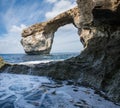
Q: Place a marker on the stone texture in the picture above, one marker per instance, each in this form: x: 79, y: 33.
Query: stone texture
x: 99, y: 64
x: 87, y: 7
x: 2, y: 63
x: 38, y: 38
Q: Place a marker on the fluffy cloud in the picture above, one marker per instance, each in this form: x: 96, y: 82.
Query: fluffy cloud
x: 66, y: 39
x: 10, y: 42
x: 17, y: 29
x: 59, y: 7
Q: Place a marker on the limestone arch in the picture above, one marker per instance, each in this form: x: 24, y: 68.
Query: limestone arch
x: 38, y: 38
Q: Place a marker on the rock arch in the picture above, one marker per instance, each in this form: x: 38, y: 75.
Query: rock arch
x: 38, y: 38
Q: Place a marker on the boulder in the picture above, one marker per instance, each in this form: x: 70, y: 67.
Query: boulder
x: 2, y: 63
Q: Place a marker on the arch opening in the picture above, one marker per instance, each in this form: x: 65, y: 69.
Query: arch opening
x: 39, y: 38
x: 66, y: 40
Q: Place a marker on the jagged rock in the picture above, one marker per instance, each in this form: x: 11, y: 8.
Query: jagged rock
x: 38, y: 38
x: 86, y: 8
x: 2, y: 63
x: 101, y: 38
x: 99, y: 64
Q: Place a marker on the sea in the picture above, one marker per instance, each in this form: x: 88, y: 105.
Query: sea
x: 29, y: 91
x: 20, y: 58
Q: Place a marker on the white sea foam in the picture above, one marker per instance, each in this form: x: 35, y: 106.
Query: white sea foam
x: 30, y: 93
x: 37, y: 62
x: 16, y: 84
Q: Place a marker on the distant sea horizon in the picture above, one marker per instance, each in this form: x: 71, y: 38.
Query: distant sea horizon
x: 23, y: 57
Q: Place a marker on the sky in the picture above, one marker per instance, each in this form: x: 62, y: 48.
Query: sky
x: 15, y: 15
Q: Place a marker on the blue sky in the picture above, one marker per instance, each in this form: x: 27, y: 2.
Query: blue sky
x: 15, y: 15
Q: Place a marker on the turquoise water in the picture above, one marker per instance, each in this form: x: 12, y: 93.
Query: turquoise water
x: 16, y: 58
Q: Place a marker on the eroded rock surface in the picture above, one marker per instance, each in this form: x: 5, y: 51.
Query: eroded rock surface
x: 2, y: 63
x: 105, y: 7
x: 99, y: 64
x: 38, y: 38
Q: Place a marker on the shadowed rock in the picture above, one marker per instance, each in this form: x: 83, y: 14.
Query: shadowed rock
x: 99, y: 64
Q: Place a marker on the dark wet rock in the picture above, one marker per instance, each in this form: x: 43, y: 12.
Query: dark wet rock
x: 52, y: 85
x: 98, y: 65
x: 54, y: 92
x: 81, y: 105
x: 70, y: 82
x: 75, y: 90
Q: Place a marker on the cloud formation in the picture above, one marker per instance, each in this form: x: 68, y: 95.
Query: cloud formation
x: 10, y: 42
x: 60, y: 6
x: 66, y: 39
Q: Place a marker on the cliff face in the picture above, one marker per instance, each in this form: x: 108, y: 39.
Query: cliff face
x: 101, y: 39
x: 103, y: 7
x: 98, y: 23
x: 38, y: 38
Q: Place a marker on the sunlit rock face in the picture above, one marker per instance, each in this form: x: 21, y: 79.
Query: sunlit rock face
x: 98, y: 65
x: 2, y: 63
x: 38, y: 38
x: 39, y: 43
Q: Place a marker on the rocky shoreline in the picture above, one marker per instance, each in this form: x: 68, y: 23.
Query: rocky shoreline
x: 99, y: 63
x: 60, y: 71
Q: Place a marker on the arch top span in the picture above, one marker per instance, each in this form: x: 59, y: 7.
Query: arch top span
x: 38, y: 38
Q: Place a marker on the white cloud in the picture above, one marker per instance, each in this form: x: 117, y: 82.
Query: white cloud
x: 68, y: 27
x: 51, y: 1
x: 59, y: 7
x: 27, y: 14
x: 10, y: 42
x: 13, y: 19
x: 17, y: 29
x: 16, y: 19
x: 66, y: 39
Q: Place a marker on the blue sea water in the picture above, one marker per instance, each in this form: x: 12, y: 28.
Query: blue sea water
x: 18, y: 58
x: 28, y: 91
